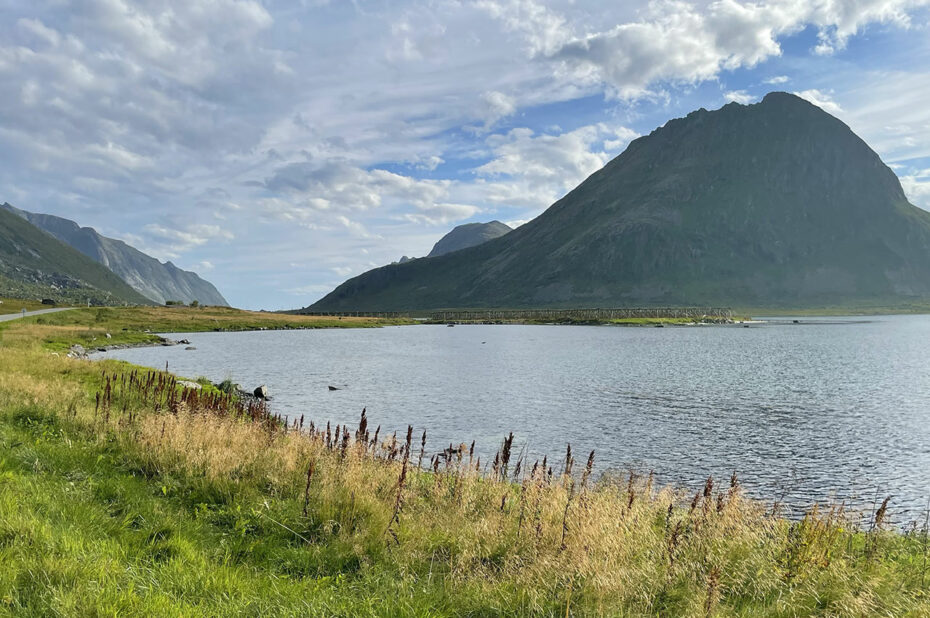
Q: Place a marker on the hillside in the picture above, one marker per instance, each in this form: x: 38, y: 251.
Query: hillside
x: 468, y: 235
x: 775, y: 204
x: 34, y: 263
x: 154, y: 280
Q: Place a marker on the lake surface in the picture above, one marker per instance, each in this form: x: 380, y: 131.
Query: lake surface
x: 802, y: 412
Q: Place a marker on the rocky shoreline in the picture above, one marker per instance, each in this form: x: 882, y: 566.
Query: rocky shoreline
x: 79, y: 351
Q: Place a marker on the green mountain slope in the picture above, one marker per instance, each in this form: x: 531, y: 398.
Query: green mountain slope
x: 468, y: 235
x: 775, y: 204
x: 145, y: 274
x: 34, y: 263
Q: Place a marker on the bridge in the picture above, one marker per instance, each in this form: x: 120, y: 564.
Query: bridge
x: 545, y: 315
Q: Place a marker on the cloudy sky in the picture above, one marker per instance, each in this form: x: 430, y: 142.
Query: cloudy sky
x: 278, y: 147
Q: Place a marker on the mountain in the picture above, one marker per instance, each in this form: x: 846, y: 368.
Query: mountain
x: 776, y: 204
x: 145, y: 274
x: 468, y: 235
x: 35, y: 263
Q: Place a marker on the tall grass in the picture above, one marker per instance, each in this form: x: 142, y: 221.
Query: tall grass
x: 123, y: 492
x: 537, y: 539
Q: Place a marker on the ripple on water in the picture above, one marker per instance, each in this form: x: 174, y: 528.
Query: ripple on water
x: 837, y: 408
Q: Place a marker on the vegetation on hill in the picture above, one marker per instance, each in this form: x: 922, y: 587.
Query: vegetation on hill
x: 123, y: 492
x: 145, y: 274
x: 34, y: 264
x: 776, y: 204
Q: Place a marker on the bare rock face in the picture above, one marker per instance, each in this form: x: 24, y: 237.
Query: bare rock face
x: 154, y: 280
x: 468, y: 235
x: 766, y: 205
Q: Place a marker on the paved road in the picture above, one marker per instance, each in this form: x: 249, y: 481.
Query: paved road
x: 12, y: 316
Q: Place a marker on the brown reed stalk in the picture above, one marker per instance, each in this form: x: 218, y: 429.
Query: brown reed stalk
x: 505, y: 456
x: 362, y: 425
x: 713, y: 585
x: 671, y: 546
x: 872, y: 540
x: 422, y: 450
x: 401, y: 482
x: 310, y: 470
x: 630, y: 490
x: 523, y: 489
x: 345, y: 442
x: 708, y: 494
x: 588, y: 469
x: 568, y: 504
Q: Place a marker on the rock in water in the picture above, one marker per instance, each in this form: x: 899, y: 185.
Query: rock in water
x: 261, y: 392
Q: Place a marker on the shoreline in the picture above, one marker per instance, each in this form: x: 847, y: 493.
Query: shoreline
x: 116, y: 477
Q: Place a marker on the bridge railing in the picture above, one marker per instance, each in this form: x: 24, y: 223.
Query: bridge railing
x: 505, y: 315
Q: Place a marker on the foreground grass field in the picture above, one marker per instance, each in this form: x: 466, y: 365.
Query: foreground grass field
x: 122, y: 493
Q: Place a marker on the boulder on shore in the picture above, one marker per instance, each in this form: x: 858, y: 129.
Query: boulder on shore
x: 77, y: 351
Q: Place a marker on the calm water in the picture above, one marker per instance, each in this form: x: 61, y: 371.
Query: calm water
x: 801, y: 412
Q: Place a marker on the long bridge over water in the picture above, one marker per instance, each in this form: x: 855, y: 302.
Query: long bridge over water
x: 544, y: 315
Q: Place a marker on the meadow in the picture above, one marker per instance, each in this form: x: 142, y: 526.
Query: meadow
x: 123, y: 492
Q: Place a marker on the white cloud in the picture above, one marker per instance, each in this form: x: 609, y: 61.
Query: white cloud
x: 320, y: 194
x: 170, y: 242
x: 778, y: 79
x: 498, y: 106
x: 678, y: 41
x: 823, y: 100
x: 917, y: 188
x: 534, y: 170
x: 740, y: 96
x: 442, y: 214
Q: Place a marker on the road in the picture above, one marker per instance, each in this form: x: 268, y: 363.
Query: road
x: 12, y: 316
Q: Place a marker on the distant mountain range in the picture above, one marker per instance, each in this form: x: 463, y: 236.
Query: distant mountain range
x: 468, y: 235
x: 776, y: 204
x: 154, y: 280
x: 34, y: 263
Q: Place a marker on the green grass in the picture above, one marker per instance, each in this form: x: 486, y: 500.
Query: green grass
x: 156, y: 503
x: 15, y: 305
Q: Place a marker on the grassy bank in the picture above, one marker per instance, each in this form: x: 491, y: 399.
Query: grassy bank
x: 15, y: 305
x: 124, y: 494
x: 138, y: 325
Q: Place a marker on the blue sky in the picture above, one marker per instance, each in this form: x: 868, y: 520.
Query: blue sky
x: 278, y: 148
